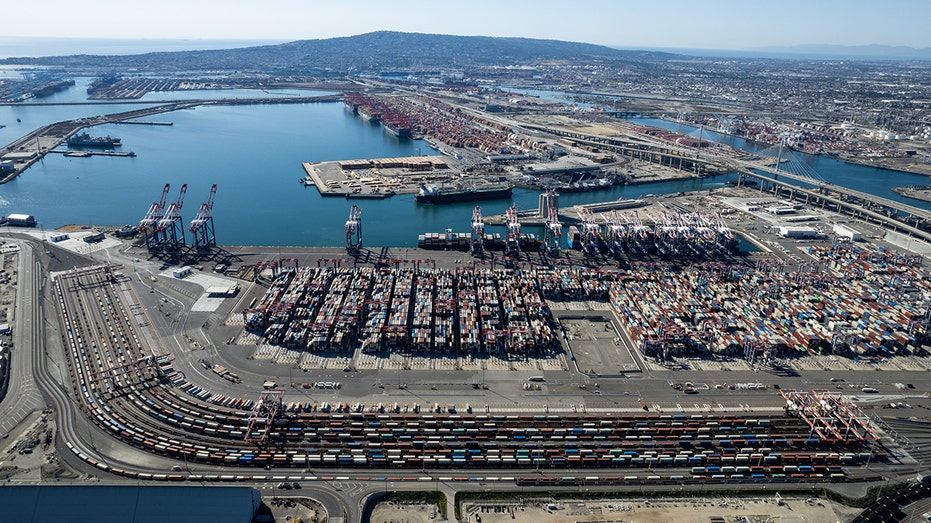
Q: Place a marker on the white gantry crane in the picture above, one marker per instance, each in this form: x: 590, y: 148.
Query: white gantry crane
x: 354, y: 230
x: 477, y: 241
x: 170, y: 226
x: 512, y: 241
x: 148, y: 225
x: 202, y: 224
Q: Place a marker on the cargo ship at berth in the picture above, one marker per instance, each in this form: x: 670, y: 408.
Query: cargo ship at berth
x: 433, y: 194
x: 86, y: 140
x: 398, y: 131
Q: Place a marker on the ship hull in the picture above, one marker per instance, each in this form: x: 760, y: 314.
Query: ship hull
x: 465, y: 196
x: 100, y: 144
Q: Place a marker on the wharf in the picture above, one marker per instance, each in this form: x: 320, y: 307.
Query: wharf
x: 376, y: 178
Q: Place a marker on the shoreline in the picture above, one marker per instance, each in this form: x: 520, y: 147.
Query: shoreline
x: 921, y: 193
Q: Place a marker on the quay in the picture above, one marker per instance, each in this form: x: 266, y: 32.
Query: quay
x: 377, y: 178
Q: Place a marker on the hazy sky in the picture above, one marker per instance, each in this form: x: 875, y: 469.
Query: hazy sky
x: 705, y: 24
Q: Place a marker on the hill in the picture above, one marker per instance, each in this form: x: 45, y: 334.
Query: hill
x: 370, y: 52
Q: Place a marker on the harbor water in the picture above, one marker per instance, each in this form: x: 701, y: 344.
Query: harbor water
x: 254, y: 154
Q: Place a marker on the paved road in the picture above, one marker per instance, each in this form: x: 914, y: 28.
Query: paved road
x: 23, y: 396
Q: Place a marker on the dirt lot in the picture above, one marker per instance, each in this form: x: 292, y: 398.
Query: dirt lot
x: 755, y: 510
x: 394, y: 512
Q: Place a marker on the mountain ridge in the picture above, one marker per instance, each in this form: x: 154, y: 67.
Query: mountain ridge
x: 369, y: 52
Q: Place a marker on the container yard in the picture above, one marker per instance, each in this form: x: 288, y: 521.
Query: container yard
x: 850, y: 300
x: 140, y: 398
x: 418, y: 309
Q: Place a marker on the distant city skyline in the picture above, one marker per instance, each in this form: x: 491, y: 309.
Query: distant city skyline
x: 709, y: 24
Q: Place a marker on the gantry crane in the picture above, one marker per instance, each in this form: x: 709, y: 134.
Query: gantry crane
x: 591, y: 231
x: 512, y: 241
x: 641, y: 236
x: 170, y: 226
x: 148, y: 225
x: 263, y: 416
x: 553, y: 232
x: 615, y: 232
x: 202, y: 224
x: 477, y: 241
x: 354, y: 230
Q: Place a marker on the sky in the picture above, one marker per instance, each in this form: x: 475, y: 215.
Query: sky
x: 692, y: 24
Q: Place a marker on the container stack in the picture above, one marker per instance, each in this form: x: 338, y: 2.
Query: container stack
x: 469, y: 335
x: 422, y: 319
x: 377, y: 310
x: 489, y: 310
x: 850, y: 300
x: 350, y: 314
x: 445, y: 312
x: 398, y: 319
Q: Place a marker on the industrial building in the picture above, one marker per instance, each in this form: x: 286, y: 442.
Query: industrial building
x: 799, y: 233
x: 21, y: 220
x: 106, y: 503
x: 846, y: 233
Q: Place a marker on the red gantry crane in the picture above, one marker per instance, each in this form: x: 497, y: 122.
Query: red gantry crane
x: 263, y: 416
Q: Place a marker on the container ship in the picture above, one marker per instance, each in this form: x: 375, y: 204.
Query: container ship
x: 86, y: 140
x: 369, y: 115
x: 433, y: 194
x: 398, y: 131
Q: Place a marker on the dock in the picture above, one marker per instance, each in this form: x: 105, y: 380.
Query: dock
x: 376, y: 178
